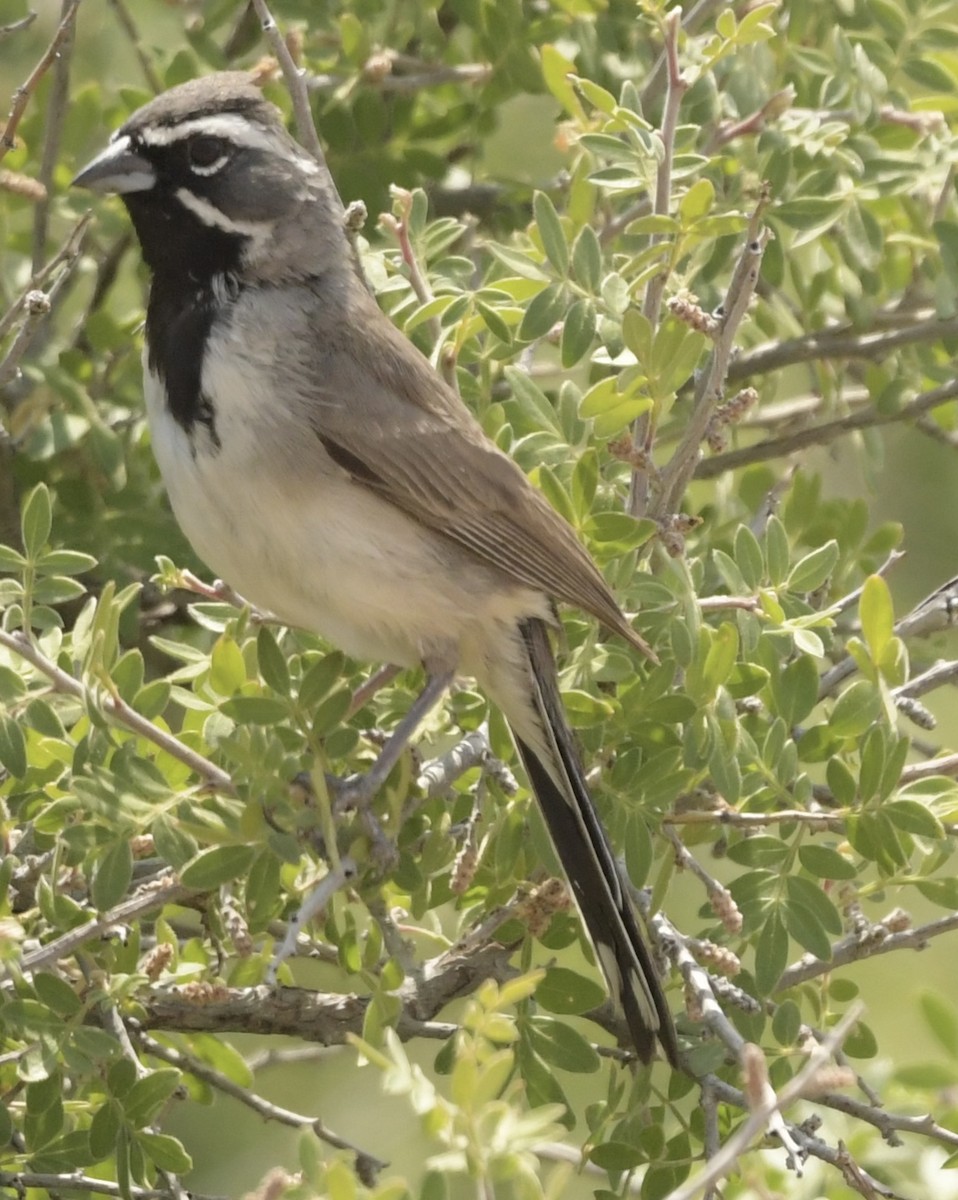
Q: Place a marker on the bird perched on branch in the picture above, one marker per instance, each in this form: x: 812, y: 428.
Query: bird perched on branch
x: 319, y: 464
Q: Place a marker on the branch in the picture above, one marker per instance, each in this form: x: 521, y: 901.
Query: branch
x: 56, y: 110
x: 684, y: 461
x: 876, y: 939
x: 328, y: 1018
x: 35, y: 304
x: 155, y: 895
x: 116, y: 708
x: 368, y: 1165
x: 22, y: 95
x: 643, y: 427
x: 763, y: 1107
x: 843, y: 342
x: 128, y: 25
x: 52, y: 1184
x: 824, y: 434
x: 389, y: 71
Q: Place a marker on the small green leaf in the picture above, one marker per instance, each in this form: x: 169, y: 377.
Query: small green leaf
x: 113, y: 875
x: 826, y: 863
x: 65, y: 562
x: 578, y: 331
x: 166, y: 1152
x: 616, y: 1157
x: 748, y: 557
x: 13, y: 748
x: 551, y: 232
x: 913, y: 817
x: 544, y: 311
x: 567, y: 993
x: 255, y: 710
x: 811, y: 572
x: 771, y: 953
x: 942, y: 1020
x: 877, y: 615
x: 321, y: 678
x: 697, y: 202
x: 587, y: 259
x: 855, y: 710
x: 272, y: 661
x: 227, y: 668
x: 36, y: 520
x: 216, y: 865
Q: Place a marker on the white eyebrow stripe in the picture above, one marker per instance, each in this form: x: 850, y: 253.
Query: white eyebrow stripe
x: 231, y: 126
x: 209, y: 214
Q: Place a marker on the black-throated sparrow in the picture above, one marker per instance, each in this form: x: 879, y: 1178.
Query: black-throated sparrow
x: 318, y: 463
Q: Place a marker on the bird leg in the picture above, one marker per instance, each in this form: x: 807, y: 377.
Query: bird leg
x: 358, y: 790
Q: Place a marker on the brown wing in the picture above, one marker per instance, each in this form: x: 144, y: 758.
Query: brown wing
x: 419, y: 448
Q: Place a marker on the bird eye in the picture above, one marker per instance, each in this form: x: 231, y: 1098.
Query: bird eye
x: 205, y: 151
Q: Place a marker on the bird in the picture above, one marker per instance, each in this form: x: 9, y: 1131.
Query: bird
x: 319, y: 464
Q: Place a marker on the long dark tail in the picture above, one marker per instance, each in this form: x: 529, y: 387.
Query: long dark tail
x: 548, y: 752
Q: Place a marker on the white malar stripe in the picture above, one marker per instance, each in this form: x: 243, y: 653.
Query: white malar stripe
x: 209, y: 214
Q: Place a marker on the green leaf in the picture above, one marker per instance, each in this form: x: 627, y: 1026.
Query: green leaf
x: 912, y: 816
x: 942, y: 1020
x: 587, y: 259
x: 825, y: 862
x: 272, y: 661
x: 65, y: 562
x: 532, y: 399
x: 811, y: 572
x: 11, y: 560
x: 771, y: 953
x: 227, y: 667
x: 13, y: 747
x: 805, y: 929
x: 567, y: 993
x: 113, y: 875
x: 255, y: 710
x: 321, y: 678
x: 562, y: 1046
x: 578, y: 331
x: 544, y: 311
x: 811, y: 896
x: 877, y: 615
x: 551, y: 232
x: 697, y: 202
x: 855, y: 710
x: 148, y: 1095
x: 36, y: 520
x: 776, y: 551
x: 57, y: 994
x: 165, y: 1152
x: 217, y: 865
x: 796, y: 690
x: 748, y: 557
x: 616, y: 1157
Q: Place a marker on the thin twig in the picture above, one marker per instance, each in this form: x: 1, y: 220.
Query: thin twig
x: 35, y: 304
x: 824, y: 434
x: 366, y: 1163
x: 878, y: 939
x: 761, y: 1111
x: 643, y: 429
x: 117, y: 708
x: 843, y: 342
x: 56, y: 110
x: 128, y: 25
x: 21, y: 97
x: 682, y: 465
x: 52, y: 1184
x: 148, y: 899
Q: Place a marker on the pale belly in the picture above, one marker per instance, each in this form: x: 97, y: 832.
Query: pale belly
x: 303, y: 541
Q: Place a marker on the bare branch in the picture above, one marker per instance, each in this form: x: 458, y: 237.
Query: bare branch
x: 367, y: 1165
x: 824, y: 434
x: 56, y: 110
x: 876, y: 939
x: 128, y: 25
x: 22, y: 95
x: 683, y: 463
x: 149, y: 898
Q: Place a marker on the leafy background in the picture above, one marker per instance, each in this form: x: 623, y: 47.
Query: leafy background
x: 524, y: 256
